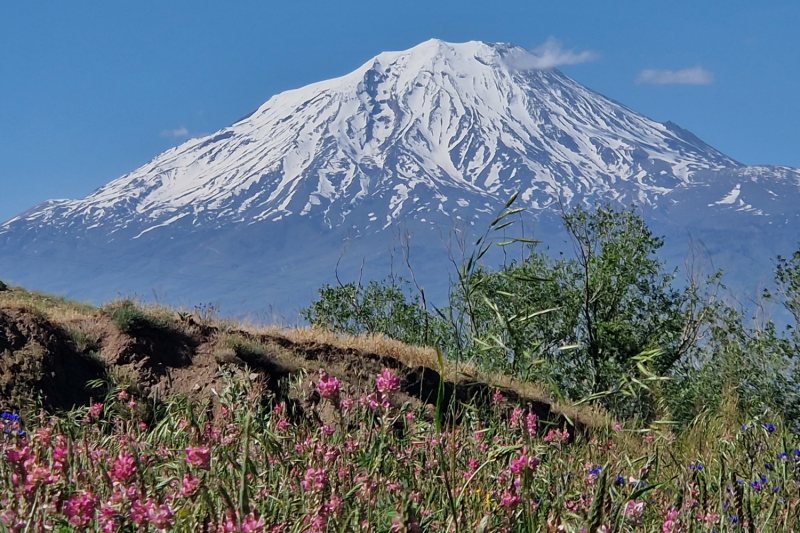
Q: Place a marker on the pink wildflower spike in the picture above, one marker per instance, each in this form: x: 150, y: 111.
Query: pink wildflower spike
x: 387, y: 382
x: 671, y: 523
x: 250, y: 524
x: 80, y: 508
x: 634, y: 511
x: 314, y: 480
x: 523, y: 463
x: 347, y: 404
x: 531, y: 423
x: 497, y: 397
x: 189, y: 485
x: 95, y: 410
x: 123, y: 468
x: 328, y: 386
x: 516, y: 414
x: 198, y: 456
x: 509, y: 500
x: 160, y: 516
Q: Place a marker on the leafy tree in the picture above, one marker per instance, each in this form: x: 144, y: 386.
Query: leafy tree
x: 385, y: 307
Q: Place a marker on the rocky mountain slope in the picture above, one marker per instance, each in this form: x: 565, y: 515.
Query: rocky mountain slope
x: 424, y: 140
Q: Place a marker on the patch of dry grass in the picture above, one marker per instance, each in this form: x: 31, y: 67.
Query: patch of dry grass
x: 73, y: 315
x: 57, y: 309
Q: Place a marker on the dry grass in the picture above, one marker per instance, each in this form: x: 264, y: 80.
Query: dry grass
x: 66, y: 312
x: 455, y: 371
x: 57, y: 309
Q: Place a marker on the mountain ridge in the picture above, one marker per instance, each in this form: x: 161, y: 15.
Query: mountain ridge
x: 421, y: 137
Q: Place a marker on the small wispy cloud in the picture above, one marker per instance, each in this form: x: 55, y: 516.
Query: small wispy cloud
x: 688, y: 76
x: 551, y: 54
x: 179, y: 132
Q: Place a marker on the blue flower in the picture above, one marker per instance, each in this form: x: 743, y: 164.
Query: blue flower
x: 756, y: 486
x: 776, y: 489
x: 784, y: 456
x: 11, y: 417
x: 595, y: 471
x: 769, y: 466
x: 700, y: 466
x: 733, y: 520
x: 770, y: 427
x: 619, y: 481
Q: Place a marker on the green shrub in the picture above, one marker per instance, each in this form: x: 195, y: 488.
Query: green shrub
x: 128, y: 317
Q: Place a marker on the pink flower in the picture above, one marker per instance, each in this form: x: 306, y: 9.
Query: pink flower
x: 314, y: 480
x: 159, y: 515
x: 59, y: 457
x: 189, y: 485
x: 95, y: 410
x: 530, y: 422
x: 80, y: 508
x: 509, y: 500
x: 123, y: 468
x: 107, y: 519
x: 523, y: 463
x: 516, y: 414
x: 387, y: 382
x: 252, y: 525
x: 634, y: 511
x: 371, y: 400
x: 347, y: 404
x: 671, y: 524
x: 199, y: 456
x: 497, y: 397
x: 328, y: 386
x: 557, y: 435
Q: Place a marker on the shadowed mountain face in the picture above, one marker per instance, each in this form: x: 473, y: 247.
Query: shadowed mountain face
x: 424, y: 140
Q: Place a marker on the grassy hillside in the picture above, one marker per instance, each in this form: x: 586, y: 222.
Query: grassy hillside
x: 143, y: 418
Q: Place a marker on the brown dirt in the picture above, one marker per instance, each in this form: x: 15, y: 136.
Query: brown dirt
x: 39, y: 363
x: 183, y: 356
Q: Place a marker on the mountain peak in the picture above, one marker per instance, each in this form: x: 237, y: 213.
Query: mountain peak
x: 436, y: 135
x: 408, y: 133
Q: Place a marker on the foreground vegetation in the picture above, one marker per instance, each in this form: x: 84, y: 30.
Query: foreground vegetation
x: 605, y: 323
x: 385, y: 467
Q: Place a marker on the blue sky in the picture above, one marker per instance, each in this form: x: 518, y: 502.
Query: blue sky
x: 90, y: 90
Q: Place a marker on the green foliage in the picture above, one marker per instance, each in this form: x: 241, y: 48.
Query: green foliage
x: 606, y: 324
x: 385, y: 307
x: 128, y: 317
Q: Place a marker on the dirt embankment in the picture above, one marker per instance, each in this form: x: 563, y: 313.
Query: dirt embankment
x: 54, y: 362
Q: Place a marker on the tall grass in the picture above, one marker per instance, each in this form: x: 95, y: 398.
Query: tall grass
x: 379, y: 466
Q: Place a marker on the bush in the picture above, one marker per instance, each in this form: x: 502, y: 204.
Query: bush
x: 385, y: 307
x: 128, y: 317
x: 607, y: 325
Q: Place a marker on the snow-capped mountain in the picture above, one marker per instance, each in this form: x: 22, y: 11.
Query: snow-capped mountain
x: 441, y: 131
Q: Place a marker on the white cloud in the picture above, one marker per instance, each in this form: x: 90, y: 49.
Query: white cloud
x: 180, y: 132
x: 688, y: 76
x: 549, y: 55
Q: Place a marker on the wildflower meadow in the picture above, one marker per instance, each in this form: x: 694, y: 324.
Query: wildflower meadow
x: 258, y: 466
